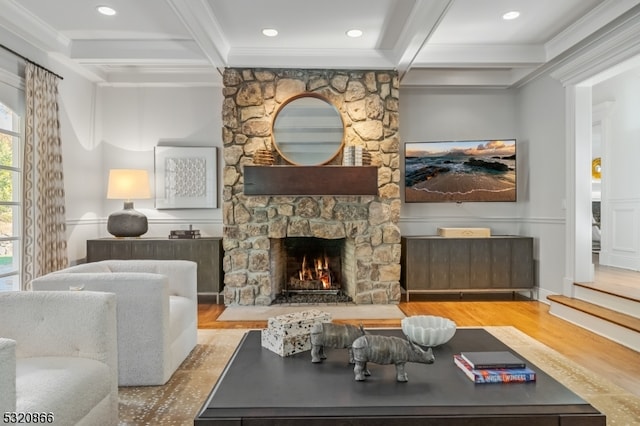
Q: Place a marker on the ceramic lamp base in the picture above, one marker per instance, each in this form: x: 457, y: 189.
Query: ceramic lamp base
x: 127, y: 222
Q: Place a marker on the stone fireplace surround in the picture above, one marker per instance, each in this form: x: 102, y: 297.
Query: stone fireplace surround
x: 368, y: 104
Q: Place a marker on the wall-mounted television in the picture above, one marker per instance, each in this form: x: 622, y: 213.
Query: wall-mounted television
x: 460, y: 171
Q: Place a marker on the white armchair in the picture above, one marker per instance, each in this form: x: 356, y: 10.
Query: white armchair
x: 157, y: 311
x: 58, y: 356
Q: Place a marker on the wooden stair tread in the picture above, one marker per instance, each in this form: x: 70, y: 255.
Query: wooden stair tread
x: 618, y: 318
x: 613, y: 290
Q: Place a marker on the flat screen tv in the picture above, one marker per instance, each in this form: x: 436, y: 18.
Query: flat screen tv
x: 460, y: 171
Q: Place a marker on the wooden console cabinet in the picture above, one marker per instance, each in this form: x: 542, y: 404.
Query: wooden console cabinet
x: 433, y: 264
x: 206, y: 252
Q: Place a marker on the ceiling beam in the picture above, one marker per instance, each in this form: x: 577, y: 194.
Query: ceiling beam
x: 199, y: 20
x: 423, y: 20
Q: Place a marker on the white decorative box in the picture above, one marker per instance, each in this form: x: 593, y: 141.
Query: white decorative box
x: 464, y: 232
x: 290, y: 333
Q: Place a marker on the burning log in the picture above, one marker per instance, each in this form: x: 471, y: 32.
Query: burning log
x: 315, y: 277
x: 298, y: 284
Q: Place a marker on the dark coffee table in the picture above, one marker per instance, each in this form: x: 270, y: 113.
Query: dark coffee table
x: 258, y: 387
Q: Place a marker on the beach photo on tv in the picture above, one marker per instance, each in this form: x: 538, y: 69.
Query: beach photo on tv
x: 460, y: 171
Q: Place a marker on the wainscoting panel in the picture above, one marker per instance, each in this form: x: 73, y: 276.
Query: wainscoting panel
x: 620, y: 237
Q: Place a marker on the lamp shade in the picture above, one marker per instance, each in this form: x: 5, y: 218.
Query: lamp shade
x: 128, y: 184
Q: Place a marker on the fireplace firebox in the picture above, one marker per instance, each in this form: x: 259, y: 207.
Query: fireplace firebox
x: 313, y: 265
x: 309, y: 269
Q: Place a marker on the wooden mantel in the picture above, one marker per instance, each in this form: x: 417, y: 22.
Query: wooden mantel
x: 310, y: 180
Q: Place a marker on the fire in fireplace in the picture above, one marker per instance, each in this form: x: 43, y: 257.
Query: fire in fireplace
x: 313, y: 265
x: 313, y: 276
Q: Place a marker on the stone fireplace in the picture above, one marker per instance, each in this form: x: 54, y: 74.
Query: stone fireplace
x: 364, y: 227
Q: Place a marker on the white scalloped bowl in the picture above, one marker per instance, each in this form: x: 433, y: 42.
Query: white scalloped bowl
x: 428, y: 330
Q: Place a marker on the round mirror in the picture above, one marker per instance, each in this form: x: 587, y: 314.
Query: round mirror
x: 308, y: 130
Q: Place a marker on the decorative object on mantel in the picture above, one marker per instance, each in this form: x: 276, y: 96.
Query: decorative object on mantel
x: 128, y: 184
x: 387, y: 350
x: 464, y: 232
x: 264, y: 157
x: 185, y: 177
x: 355, y: 156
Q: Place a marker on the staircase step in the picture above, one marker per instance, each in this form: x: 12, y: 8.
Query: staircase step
x: 608, y: 323
x: 623, y: 320
x: 607, y: 298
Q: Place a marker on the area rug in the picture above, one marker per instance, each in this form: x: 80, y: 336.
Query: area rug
x: 177, y: 403
x: 337, y: 312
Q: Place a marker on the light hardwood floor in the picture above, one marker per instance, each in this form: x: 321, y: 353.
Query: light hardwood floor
x: 603, y: 356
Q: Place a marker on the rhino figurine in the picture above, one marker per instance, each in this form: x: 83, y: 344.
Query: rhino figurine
x: 340, y: 336
x: 387, y: 350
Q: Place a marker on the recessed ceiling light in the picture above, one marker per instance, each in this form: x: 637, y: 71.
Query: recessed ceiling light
x: 106, y: 10
x: 270, y: 32
x: 354, y: 33
x: 511, y: 15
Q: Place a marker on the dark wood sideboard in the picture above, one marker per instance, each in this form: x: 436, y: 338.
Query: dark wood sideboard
x: 434, y: 264
x: 206, y: 252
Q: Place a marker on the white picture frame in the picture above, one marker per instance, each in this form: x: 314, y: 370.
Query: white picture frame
x: 185, y: 177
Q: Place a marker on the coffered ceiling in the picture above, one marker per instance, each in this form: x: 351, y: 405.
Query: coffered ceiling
x: 187, y: 42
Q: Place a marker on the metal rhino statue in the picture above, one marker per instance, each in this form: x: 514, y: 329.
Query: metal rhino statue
x: 387, y: 350
x: 340, y: 336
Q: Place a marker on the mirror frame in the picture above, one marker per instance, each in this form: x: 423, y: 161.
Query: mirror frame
x: 296, y: 97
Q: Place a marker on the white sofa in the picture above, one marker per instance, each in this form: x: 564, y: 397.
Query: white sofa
x: 157, y: 311
x: 58, y: 357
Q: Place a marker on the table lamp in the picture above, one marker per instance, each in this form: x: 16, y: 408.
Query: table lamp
x: 128, y: 184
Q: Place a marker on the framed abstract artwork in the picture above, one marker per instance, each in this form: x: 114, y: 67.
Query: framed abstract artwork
x: 185, y: 177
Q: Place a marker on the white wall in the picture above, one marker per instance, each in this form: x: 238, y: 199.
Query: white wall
x: 620, y: 193
x: 111, y: 127
x: 81, y: 161
x: 118, y: 127
x: 459, y: 114
x: 541, y: 120
x: 534, y: 115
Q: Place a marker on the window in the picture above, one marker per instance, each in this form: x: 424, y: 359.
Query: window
x: 10, y: 198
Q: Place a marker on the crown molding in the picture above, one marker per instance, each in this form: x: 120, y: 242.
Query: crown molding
x: 479, y: 56
x: 203, y: 76
x: 495, y: 78
x: 120, y: 52
x: 613, y: 45
x: 316, y: 58
x: 32, y: 29
x: 596, y: 19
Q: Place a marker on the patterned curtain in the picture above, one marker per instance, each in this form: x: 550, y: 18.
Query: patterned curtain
x: 44, y: 246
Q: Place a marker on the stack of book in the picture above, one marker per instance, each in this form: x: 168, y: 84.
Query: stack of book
x: 356, y: 156
x: 184, y: 234
x: 494, y: 367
